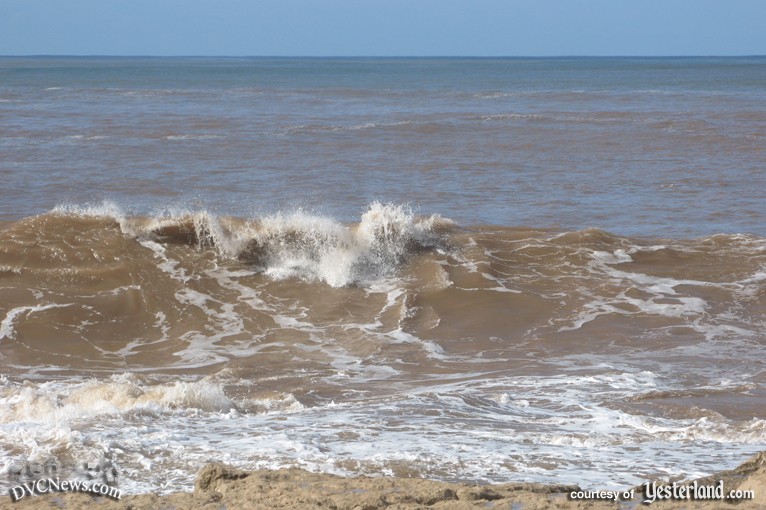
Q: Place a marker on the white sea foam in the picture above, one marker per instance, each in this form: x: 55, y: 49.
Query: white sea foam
x: 301, y: 245
x: 192, y: 137
x: 53, y: 402
x: 534, y: 428
x: 6, y: 326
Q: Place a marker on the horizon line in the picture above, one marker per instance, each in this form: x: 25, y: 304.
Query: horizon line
x: 97, y: 55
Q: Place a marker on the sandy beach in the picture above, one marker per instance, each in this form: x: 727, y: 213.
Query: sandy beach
x: 221, y: 487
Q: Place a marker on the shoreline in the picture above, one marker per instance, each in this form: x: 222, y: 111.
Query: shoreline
x: 221, y: 487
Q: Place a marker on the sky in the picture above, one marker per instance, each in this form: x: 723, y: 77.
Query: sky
x: 383, y: 27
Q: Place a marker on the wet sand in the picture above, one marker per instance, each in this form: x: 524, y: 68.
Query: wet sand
x: 221, y: 487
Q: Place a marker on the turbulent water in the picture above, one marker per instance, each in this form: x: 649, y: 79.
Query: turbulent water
x: 461, y: 269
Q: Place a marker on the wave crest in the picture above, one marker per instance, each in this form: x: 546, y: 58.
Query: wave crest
x: 294, y: 245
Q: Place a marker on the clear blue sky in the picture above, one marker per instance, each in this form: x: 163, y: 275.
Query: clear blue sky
x: 383, y: 27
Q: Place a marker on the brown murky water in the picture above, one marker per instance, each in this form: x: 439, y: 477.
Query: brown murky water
x: 194, y: 266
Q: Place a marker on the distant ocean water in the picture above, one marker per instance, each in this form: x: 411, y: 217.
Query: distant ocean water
x: 484, y: 269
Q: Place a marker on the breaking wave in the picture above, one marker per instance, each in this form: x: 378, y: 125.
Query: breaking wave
x: 292, y: 245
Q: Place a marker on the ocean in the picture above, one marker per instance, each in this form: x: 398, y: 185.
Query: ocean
x: 490, y: 270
